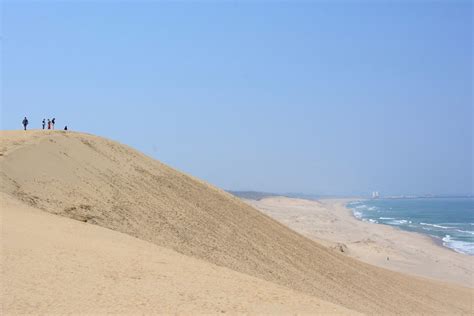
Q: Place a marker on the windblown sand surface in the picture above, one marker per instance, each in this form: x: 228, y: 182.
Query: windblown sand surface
x: 214, y: 246
x: 57, y: 265
x: 330, y: 223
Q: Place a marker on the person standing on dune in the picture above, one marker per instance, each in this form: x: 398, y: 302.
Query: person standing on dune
x: 25, y: 123
x: 49, y: 124
x: 44, y: 123
x: 53, y: 122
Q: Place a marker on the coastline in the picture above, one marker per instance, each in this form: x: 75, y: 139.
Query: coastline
x: 331, y: 223
x: 435, y: 240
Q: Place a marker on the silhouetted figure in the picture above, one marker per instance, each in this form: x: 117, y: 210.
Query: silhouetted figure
x: 44, y: 123
x: 49, y: 124
x: 25, y: 122
x: 65, y: 128
x: 53, y: 122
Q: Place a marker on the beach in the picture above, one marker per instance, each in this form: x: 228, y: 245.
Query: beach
x: 330, y: 222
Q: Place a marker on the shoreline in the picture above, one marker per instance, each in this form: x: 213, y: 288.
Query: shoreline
x: 436, y: 240
x: 331, y: 223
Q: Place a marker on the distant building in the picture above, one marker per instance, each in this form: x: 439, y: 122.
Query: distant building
x: 375, y: 195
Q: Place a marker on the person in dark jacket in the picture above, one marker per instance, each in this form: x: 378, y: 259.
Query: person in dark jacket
x: 53, y: 121
x: 49, y: 124
x: 25, y: 123
x: 65, y: 128
x: 44, y: 123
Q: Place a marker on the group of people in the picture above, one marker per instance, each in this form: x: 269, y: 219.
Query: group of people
x: 50, y: 123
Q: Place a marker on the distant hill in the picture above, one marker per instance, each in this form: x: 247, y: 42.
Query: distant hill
x: 252, y: 195
x: 256, y: 195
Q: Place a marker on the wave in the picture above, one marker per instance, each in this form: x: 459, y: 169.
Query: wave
x: 366, y: 207
x: 463, y: 247
x: 465, y: 231
x: 399, y: 222
x: 448, y: 227
x: 453, y: 224
x: 437, y: 226
x: 386, y: 218
x: 370, y: 220
x: 357, y: 214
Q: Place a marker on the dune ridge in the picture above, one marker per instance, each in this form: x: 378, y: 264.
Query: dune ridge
x: 101, y: 182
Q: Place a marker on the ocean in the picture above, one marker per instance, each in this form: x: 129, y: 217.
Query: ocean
x: 449, y: 220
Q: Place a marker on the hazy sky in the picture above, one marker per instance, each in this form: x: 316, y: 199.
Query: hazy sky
x: 307, y: 97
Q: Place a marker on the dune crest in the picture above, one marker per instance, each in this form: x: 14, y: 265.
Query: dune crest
x: 102, y: 182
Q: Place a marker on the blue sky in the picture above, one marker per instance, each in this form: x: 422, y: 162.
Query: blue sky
x: 313, y: 97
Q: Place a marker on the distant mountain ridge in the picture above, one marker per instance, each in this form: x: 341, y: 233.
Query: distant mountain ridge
x: 257, y: 195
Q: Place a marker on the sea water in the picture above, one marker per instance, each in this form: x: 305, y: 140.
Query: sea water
x: 450, y: 220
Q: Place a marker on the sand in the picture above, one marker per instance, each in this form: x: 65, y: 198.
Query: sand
x: 329, y: 222
x: 56, y: 265
x: 104, y: 185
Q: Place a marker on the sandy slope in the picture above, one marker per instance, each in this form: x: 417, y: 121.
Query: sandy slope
x: 104, y: 183
x: 53, y: 264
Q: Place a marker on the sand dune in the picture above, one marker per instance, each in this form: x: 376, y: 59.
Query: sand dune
x: 101, y: 182
x: 53, y: 264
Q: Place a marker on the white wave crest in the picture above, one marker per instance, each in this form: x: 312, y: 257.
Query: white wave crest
x: 437, y: 226
x: 465, y: 231
x: 398, y: 222
x: 458, y: 245
x: 370, y: 220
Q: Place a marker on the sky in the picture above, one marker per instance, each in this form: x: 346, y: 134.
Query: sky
x: 313, y: 97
